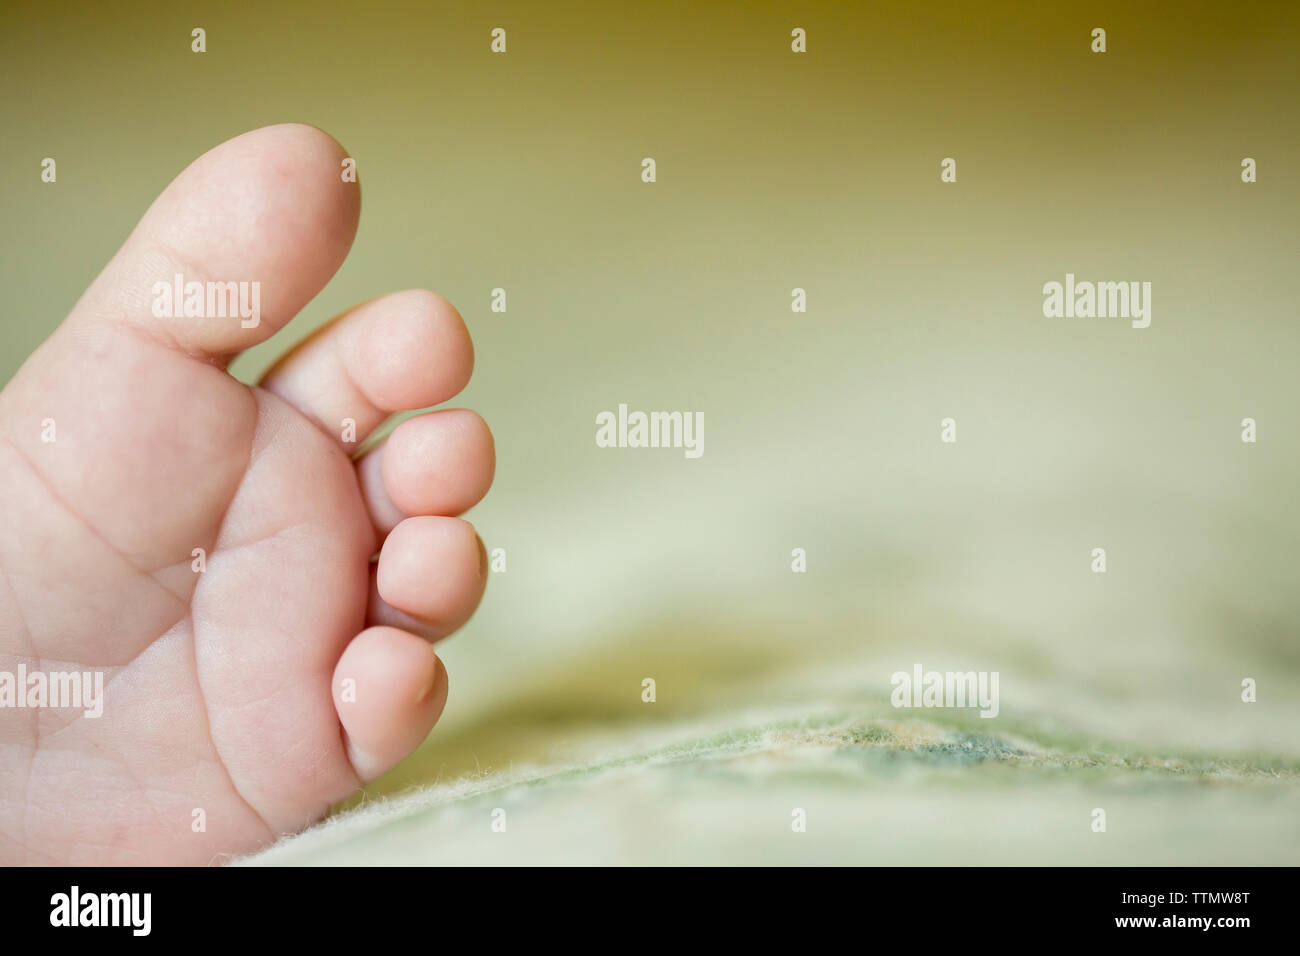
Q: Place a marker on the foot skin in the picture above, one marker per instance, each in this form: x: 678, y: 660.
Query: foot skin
x: 250, y: 685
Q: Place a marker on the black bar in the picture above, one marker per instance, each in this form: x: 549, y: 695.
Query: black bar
x: 331, y: 905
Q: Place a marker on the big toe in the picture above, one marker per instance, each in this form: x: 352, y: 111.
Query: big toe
x: 273, y: 211
x: 266, y: 217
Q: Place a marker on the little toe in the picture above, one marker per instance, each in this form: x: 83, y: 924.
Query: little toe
x: 389, y: 689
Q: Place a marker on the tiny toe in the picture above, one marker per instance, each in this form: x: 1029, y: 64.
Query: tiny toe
x: 401, y: 352
x: 430, y: 577
x: 384, y: 515
x: 389, y: 689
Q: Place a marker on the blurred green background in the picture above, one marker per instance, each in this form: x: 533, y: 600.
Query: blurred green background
x: 779, y: 170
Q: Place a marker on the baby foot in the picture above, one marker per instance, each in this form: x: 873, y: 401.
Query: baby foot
x: 207, y: 547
